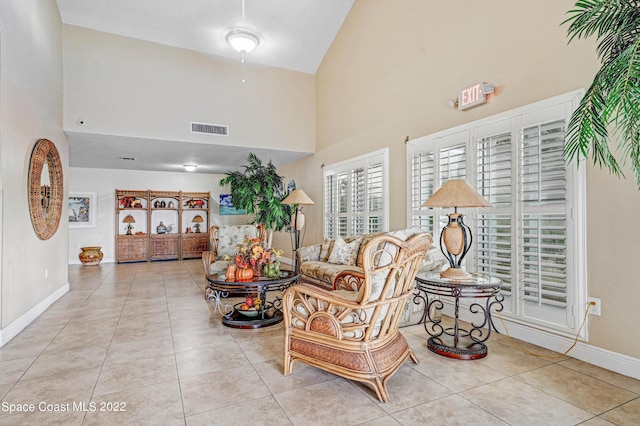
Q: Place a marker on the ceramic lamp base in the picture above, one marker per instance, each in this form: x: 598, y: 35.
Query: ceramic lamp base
x: 455, y: 274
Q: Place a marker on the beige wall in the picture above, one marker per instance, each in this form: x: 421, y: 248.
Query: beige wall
x: 30, y: 109
x: 388, y: 75
x: 127, y: 87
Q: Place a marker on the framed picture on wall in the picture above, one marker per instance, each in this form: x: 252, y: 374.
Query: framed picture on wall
x: 82, y: 209
x: 226, y: 206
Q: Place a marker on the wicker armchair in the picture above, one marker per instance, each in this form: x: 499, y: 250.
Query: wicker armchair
x: 224, y: 241
x: 354, y: 334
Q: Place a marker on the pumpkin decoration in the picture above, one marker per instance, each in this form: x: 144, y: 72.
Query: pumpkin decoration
x: 231, y: 272
x: 244, y: 274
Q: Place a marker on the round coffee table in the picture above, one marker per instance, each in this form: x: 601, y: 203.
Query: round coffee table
x: 269, y: 313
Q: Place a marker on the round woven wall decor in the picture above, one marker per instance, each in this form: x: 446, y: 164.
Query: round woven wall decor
x: 45, y: 201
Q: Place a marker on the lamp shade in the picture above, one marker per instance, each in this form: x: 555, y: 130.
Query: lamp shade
x: 456, y: 193
x: 129, y: 219
x: 197, y: 219
x: 298, y: 197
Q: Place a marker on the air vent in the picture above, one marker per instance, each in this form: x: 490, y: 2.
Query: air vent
x: 209, y: 129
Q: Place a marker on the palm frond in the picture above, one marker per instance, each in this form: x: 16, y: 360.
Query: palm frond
x: 599, y: 17
x: 613, y: 99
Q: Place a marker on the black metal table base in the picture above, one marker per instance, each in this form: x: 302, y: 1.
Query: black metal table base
x: 465, y: 349
x: 237, y: 320
x: 457, y: 342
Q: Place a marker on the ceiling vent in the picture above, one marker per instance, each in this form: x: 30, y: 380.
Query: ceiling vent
x: 209, y: 129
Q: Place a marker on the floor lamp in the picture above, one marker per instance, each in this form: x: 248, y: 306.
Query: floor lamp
x: 456, y: 238
x: 297, y: 198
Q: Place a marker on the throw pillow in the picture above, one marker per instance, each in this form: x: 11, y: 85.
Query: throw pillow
x: 325, y: 250
x: 344, y: 253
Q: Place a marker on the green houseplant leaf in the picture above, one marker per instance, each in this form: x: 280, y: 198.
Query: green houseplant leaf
x: 611, y: 105
x: 259, y: 190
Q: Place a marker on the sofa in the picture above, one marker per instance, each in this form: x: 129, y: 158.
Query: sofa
x: 327, y: 264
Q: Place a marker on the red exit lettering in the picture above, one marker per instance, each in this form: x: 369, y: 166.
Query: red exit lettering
x: 471, y: 96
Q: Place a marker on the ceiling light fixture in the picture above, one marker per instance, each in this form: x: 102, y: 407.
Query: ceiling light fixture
x: 190, y: 167
x: 242, y: 40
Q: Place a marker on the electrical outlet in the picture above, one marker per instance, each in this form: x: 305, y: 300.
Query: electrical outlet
x: 594, y: 309
x: 46, y: 274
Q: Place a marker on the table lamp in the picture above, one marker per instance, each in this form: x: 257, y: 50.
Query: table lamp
x: 297, y: 198
x: 197, y: 220
x: 128, y: 219
x: 456, y: 237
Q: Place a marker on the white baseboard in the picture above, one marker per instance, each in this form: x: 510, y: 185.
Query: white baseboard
x: 104, y: 260
x: 15, y: 327
x: 604, y: 358
x: 609, y: 360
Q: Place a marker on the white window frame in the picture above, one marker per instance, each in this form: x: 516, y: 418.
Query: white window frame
x: 348, y: 166
x: 562, y: 106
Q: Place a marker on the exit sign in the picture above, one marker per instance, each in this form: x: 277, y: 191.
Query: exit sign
x: 474, y: 95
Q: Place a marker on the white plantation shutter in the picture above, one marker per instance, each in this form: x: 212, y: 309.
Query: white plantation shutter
x: 543, y: 170
x: 375, y: 198
x: 422, y: 180
x: 531, y: 236
x: 358, y: 188
x: 494, y: 168
x: 453, y: 163
x: 494, y: 247
x: 542, y: 197
x: 494, y: 225
x: 330, y: 208
x: 544, y: 259
x: 342, y: 189
x: 430, y: 166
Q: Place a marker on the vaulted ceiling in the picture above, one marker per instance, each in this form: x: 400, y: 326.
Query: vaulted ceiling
x: 294, y: 34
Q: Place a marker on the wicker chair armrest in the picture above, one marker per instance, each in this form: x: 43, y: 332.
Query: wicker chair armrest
x: 348, y: 280
x: 213, y: 239
x: 208, y: 257
x: 311, y: 291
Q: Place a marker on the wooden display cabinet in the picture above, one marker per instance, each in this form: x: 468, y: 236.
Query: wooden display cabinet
x: 132, y: 248
x: 194, y: 244
x: 194, y: 231
x: 161, y: 225
x: 165, y: 247
x: 131, y: 216
x: 165, y: 225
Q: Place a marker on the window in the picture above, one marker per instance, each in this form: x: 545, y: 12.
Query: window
x: 355, y: 194
x: 444, y: 159
x: 530, y: 237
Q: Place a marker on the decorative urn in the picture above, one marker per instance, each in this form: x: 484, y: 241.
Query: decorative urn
x: 91, y: 256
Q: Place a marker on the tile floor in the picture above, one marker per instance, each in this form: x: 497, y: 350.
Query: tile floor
x: 140, y: 342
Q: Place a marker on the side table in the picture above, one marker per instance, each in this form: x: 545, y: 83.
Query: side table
x: 456, y: 342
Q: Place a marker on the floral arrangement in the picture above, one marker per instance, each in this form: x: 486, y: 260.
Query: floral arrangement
x: 252, y: 254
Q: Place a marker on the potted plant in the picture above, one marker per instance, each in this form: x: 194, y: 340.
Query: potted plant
x: 259, y: 189
x: 611, y: 102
